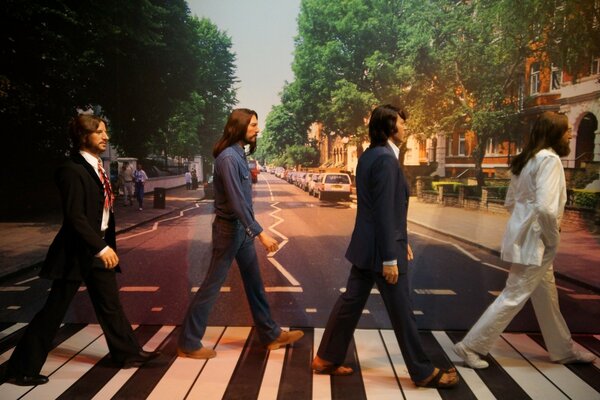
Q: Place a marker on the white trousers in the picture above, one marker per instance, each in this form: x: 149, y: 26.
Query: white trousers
x: 524, y: 282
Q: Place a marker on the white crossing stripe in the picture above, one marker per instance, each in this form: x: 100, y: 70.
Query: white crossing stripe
x: 178, y: 380
x: 558, y: 374
x: 56, y: 359
x: 281, y: 289
x: 272, y: 376
x: 139, y: 288
x: 531, y: 381
x: 480, y: 390
x: 410, y: 390
x: 120, y: 378
x: 321, y: 383
x: 217, y: 372
x: 377, y: 372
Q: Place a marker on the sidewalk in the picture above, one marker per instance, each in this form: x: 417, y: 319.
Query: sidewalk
x: 24, y: 244
x: 578, y: 256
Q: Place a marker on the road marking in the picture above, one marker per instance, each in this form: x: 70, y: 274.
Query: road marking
x: 13, y: 307
x: 155, y: 225
x: 440, y: 292
x: 460, y: 248
x: 27, y: 280
x: 365, y: 311
x: 373, y: 291
x: 139, y: 288
x: 13, y: 288
x: 194, y: 289
x: 311, y: 310
x: 585, y: 296
x: 284, y: 272
x: 418, y: 312
x: 156, y: 309
x: 283, y: 289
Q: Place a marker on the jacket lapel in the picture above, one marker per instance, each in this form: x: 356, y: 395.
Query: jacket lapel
x: 78, y: 159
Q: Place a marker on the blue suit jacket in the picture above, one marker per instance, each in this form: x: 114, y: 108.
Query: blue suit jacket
x: 380, y: 232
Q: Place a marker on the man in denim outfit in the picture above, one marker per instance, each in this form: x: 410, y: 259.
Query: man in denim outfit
x: 234, y: 230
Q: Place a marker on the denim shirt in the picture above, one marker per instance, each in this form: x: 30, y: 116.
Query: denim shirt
x: 233, y: 189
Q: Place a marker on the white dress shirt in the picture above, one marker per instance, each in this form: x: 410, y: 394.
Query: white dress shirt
x: 93, y: 161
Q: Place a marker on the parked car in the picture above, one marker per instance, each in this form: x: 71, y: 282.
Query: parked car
x: 333, y: 186
x: 254, y: 170
x: 209, y: 190
x: 314, y: 180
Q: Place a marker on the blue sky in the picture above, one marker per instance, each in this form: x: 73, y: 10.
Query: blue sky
x: 262, y: 32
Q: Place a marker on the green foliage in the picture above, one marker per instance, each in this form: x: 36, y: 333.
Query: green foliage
x: 585, y: 198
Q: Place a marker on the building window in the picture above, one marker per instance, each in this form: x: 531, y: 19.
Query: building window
x: 462, y: 144
x: 595, y: 66
x: 556, y: 80
x: 534, y: 78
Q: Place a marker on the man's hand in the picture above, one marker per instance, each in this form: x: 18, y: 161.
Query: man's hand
x: 409, y: 252
x: 268, y: 242
x: 390, y: 273
x: 109, y: 258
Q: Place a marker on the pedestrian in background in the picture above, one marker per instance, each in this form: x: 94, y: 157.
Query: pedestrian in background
x: 83, y: 250
x: 233, y: 231
x: 126, y: 179
x: 188, y: 180
x: 536, y: 198
x: 379, y: 253
x: 194, y: 179
x: 140, y: 178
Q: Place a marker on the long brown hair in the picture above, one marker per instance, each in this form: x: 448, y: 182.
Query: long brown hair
x: 81, y: 126
x: 547, y: 131
x: 235, y: 130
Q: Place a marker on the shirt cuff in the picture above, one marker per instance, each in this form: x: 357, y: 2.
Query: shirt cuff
x: 104, y: 250
x: 253, y: 229
x: 389, y: 263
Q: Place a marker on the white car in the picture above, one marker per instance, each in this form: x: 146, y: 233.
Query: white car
x: 333, y: 186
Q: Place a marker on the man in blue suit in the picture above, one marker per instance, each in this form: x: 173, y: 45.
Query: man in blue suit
x: 379, y: 253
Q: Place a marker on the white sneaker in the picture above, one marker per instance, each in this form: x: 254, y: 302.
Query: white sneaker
x: 578, y: 357
x: 470, y: 358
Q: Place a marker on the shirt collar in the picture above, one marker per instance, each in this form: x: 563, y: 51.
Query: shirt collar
x: 240, y: 150
x: 90, y: 158
x: 394, y: 148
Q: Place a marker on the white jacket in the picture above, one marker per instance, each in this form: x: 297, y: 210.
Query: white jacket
x: 536, y: 199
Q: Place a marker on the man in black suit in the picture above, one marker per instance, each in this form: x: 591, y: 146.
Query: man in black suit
x: 83, y: 250
x: 379, y: 253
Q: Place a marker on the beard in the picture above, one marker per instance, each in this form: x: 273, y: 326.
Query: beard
x: 562, y: 149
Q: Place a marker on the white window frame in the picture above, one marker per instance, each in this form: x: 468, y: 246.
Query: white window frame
x: 595, y: 66
x: 555, y: 78
x: 462, y: 144
x: 449, y: 145
x: 534, y: 79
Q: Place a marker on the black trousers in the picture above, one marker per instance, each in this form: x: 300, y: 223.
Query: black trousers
x: 348, y: 309
x: 33, y: 348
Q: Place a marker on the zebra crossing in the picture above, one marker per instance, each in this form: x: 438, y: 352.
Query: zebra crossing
x: 80, y: 368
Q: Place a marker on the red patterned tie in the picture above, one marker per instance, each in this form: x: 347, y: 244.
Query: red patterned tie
x: 108, y: 193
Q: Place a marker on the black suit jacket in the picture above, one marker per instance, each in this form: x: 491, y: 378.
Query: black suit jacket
x: 380, y: 232
x: 71, y: 254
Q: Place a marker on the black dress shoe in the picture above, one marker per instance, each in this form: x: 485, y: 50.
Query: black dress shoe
x: 139, y: 359
x: 24, y: 380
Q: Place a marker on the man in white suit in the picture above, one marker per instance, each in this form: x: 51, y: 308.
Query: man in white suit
x: 536, y: 198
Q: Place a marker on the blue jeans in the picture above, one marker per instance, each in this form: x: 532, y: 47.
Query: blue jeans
x: 229, y: 241
x: 139, y: 193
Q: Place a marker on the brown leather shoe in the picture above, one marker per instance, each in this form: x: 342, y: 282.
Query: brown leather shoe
x: 203, y: 353
x: 284, y: 339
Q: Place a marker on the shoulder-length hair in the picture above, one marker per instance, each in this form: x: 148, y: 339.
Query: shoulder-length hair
x: 235, y: 130
x: 382, y: 123
x: 547, y: 131
x: 80, y: 127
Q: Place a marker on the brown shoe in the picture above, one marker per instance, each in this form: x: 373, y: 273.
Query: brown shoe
x: 284, y: 339
x: 203, y: 353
